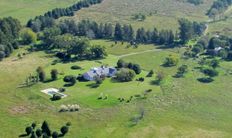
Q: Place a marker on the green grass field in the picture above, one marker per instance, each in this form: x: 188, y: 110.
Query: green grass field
x: 27, y: 9
x: 161, y: 14
x: 180, y: 107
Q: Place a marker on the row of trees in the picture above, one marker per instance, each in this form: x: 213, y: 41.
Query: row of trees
x: 42, y: 75
x: 47, y: 20
x: 45, y: 131
x: 196, y: 2
x: 91, y: 29
x: 219, y: 7
x: 9, y: 33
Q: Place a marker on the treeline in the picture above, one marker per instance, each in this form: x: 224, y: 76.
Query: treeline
x: 196, y: 2
x: 119, y: 32
x: 219, y: 7
x: 47, y: 20
x: 189, y: 30
x: 9, y: 33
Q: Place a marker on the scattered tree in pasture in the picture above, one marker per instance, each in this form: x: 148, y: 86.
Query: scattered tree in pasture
x: 214, y: 63
x: 159, y: 77
x: 171, y: 60
x: 70, y: 79
x: 41, y: 74
x: 64, y: 130
x: 150, y: 74
x: 182, y: 70
x: 98, y: 52
x: 54, y: 74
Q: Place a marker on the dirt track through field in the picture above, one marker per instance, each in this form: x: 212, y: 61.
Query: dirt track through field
x: 137, y: 53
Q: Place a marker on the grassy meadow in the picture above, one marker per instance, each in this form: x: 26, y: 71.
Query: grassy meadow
x: 27, y: 9
x: 180, y: 107
x: 161, y: 14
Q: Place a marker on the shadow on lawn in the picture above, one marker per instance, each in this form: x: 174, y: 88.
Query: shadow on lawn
x: 23, y: 135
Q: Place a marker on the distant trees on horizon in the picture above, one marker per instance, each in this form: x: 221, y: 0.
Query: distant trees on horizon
x: 48, y: 19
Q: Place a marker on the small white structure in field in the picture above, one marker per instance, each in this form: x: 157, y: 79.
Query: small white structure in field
x: 52, y: 91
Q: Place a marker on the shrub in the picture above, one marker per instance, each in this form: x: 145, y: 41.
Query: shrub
x: 63, y: 108
x: 210, y: 72
x: 159, y: 77
x: 55, y: 134
x: 171, y: 60
x: 62, y: 89
x: 64, y: 130
x: 68, y: 124
x: 75, y: 67
x: 141, y: 79
x: 56, y: 97
x: 150, y: 74
x: 214, y: 63
x: 125, y: 75
x: 70, y: 79
x: 29, y: 130
x: 38, y: 132
x: 182, y: 70
x: 136, y: 68
x: 33, y: 125
x: 121, y: 63
x: 60, y: 55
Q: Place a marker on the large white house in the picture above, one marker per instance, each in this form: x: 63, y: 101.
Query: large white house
x: 98, y: 72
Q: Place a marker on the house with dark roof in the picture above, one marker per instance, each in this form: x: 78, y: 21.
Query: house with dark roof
x: 99, y: 72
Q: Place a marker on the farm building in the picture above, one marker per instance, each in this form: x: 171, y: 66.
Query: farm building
x: 99, y: 72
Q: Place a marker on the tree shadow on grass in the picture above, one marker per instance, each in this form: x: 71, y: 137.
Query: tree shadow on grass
x: 68, y: 85
x: 23, y: 135
x: 205, y: 80
x: 155, y: 82
x: 93, y: 85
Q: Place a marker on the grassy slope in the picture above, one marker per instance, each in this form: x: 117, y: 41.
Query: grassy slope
x: 26, y: 9
x: 181, y: 107
x: 164, y: 14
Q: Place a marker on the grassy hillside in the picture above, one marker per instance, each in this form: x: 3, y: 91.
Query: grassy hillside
x: 179, y: 107
x: 162, y: 14
x: 26, y: 9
